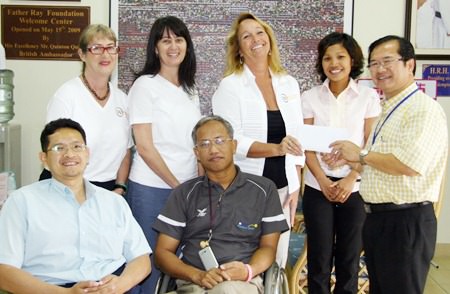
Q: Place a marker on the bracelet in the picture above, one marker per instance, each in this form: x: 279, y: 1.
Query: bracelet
x: 250, y: 272
x: 121, y: 186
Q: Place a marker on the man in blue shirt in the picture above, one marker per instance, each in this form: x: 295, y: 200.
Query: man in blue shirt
x: 65, y: 232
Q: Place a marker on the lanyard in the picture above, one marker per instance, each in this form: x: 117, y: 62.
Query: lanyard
x: 212, y: 213
x: 378, y: 130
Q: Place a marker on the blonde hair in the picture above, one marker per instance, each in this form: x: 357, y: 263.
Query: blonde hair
x: 233, y: 64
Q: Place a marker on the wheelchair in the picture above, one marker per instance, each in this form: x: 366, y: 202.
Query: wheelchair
x: 275, y: 281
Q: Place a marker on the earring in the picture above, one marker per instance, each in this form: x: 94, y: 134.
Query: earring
x: 241, y: 60
x: 270, y: 52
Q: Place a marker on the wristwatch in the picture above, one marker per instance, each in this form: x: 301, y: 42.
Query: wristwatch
x: 363, y: 153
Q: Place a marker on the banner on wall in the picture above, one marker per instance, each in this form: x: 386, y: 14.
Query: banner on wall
x: 441, y: 74
x: 427, y: 86
x: 298, y: 25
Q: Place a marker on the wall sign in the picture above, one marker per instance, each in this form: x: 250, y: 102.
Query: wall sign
x: 43, y: 32
x: 426, y: 86
x: 440, y: 73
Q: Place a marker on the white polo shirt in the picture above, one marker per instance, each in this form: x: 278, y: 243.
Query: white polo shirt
x: 173, y: 114
x: 107, y: 128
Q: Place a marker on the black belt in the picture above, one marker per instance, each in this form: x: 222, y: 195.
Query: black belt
x: 117, y: 272
x: 382, y: 207
x: 437, y: 14
x: 338, y: 179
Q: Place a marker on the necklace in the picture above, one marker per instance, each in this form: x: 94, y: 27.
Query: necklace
x: 86, y: 83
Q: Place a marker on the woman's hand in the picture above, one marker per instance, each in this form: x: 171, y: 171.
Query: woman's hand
x: 291, y: 202
x: 290, y: 145
x: 327, y: 188
x: 343, y: 189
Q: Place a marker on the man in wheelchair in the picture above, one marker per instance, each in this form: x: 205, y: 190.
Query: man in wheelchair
x: 226, y: 223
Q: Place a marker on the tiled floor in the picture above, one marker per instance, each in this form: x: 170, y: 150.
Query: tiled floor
x: 438, y: 281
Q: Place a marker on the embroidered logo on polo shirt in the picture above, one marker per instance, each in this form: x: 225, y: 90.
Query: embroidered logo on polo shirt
x: 201, y: 212
x: 120, y: 112
x: 248, y: 227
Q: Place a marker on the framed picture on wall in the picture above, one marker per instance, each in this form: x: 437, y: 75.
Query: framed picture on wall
x: 427, y: 27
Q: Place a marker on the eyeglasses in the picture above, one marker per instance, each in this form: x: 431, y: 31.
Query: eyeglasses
x: 386, y: 63
x: 63, y: 148
x: 99, y: 50
x: 207, y: 143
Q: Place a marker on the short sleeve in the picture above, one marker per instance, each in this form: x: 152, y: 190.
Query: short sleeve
x: 140, y: 101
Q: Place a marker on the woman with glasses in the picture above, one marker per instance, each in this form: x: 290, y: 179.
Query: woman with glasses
x: 164, y: 108
x: 332, y: 207
x: 101, y: 109
x: 262, y: 102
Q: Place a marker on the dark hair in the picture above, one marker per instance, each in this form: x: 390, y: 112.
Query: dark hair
x: 188, y: 68
x: 405, y: 48
x: 61, y: 123
x: 349, y: 44
x: 207, y: 119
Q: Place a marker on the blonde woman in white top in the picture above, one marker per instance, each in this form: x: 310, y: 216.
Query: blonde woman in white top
x: 262, y: 103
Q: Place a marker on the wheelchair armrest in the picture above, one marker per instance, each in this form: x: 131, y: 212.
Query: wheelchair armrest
x: 165, y: 284
x: 275, y: 280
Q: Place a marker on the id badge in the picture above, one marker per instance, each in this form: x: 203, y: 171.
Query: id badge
x: 208, y: 259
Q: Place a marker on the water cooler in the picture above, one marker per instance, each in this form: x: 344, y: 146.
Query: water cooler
x: 10, y: 134
x: 10, y: 150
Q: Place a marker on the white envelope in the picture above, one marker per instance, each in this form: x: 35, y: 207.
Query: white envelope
x: 319, y: 138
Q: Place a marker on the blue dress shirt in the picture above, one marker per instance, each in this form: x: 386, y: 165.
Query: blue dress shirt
x: 47, y: 233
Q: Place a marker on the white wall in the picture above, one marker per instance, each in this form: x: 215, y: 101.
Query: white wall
x: 36, y: 81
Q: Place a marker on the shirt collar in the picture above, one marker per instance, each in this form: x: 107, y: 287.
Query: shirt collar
x: 238, y: 181
x: 350, y: 91
x: 387, y: 104
x: 64, y: 190
x: 249, y: 77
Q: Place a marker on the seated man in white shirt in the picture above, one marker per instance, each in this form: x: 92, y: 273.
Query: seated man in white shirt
x: 231, y: 218
x: 65, y: 232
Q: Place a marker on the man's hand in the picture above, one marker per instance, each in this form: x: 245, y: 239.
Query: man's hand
x: 330, y: 160
x: 85, y: 287
x: 345, y: 150
x: 108, y: 285
x: 210, y: 278
x: 235, y: 270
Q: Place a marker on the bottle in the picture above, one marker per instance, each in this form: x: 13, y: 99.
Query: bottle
x: 6, y: 95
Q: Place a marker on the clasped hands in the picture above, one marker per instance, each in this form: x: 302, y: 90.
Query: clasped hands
x: 230, y: 271
x: 107, y: 285
x: 343, y: 152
